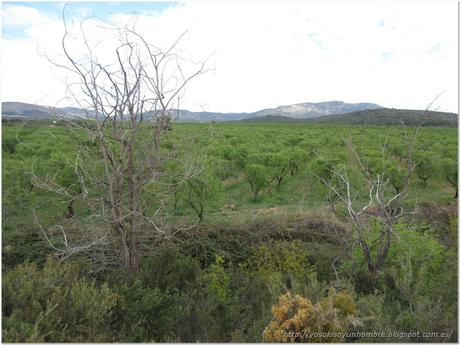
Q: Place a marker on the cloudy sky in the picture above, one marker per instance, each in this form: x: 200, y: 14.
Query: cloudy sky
x: 262, y: 54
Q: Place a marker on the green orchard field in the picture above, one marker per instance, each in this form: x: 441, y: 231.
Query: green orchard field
x: 287, y: 151
x: 263, y: 223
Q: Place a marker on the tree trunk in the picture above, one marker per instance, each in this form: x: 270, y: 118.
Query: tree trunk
x: 125, y: 255
x: 134, y: 256
x: 382, y: 256
x: 134, y: 202
x: 130, y: 254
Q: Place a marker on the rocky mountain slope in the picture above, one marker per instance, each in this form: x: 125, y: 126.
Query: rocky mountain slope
x: 311, y: 110
x: 297, y: 111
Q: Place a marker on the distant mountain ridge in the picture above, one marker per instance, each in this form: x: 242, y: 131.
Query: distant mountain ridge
x: 334, y: 112
x: 311, y: 110
x: 387, y: 116
x: 381, y: 116
x: 296, y: 111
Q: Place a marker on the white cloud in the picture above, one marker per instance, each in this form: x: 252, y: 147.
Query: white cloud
x: 21, y: 16
x: 271, y: 53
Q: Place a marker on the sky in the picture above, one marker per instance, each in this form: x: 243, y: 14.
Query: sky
x: 260, y: 54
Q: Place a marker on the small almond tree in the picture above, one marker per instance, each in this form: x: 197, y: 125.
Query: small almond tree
x: 257, y: 178
x: 200, y: 191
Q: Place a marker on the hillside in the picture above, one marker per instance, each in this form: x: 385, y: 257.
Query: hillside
x: 344, y: 113
x: 312, y: 110
x: 18, y: 109
x: 270, y: 118
x: 297, y: 111
x: 386, y: 116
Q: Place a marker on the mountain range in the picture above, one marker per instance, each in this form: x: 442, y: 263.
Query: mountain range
x: 296, y: 111
x: 380, y: 116
x: 324, y: 112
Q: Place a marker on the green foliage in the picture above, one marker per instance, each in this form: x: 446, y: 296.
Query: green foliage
x: 396, y: 176
x: 450, y: 169
x: 375, y: 312
x: 278, y: 166
x: 296, y: 159
x: 9, y: 143
x: 424, y: 166
x: 148, y: 315
x: 414, y: 262
x: 168, y: 268
x: 55, y: 304
x: 199, y: 191
x: 240, y: 156
x: 398, y: 150
x: 15, y: 183
x: 290, y: 259
x: 218, y: 281
x: 24, y: 246
x: 220, y: 167
x: 212, y: 312
x: 325, y: 168
x: 224, y: 151
x: 387, y: 169
x: 257, y: 177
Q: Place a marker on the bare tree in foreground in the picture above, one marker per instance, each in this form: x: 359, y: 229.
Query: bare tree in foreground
x: 118, y: 171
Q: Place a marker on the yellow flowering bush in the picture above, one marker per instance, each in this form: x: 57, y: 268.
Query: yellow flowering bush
x: 297, y: 319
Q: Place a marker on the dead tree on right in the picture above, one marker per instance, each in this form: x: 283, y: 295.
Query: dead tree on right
x: 385, y: 203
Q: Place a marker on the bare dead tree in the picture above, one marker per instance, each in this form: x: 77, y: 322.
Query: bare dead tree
x: 129, y: 104
x: 386, y: 205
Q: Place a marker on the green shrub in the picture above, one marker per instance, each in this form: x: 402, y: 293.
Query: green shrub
x: 217, y: 280
x: 56, y: 304
x: 149, y: 314
x: 209, y: 310
x: 375, y: 313
x: 168, y: 268
x: 290, y: 259
x: 414, y: 261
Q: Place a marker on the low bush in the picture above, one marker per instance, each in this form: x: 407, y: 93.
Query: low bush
x: 56, y: 304
x: 296, y: 318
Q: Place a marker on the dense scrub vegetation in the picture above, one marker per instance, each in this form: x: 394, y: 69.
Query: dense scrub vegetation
x: 256, y: 247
